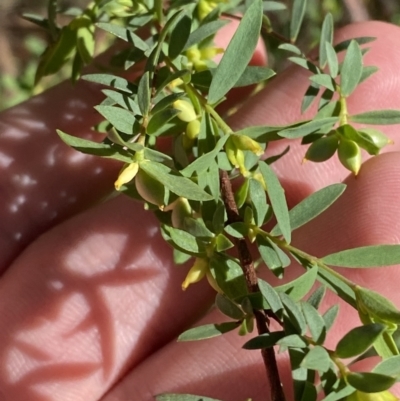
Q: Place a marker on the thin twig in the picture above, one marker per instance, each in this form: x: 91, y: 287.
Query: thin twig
x: 357, y: 10
x: 247, y: 265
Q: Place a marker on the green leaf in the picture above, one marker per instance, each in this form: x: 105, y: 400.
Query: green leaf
x: 294, y: 313
x: 272, y: 255
x: 143, y: 94
x: 166, y: 102
x: 229, y: 276
x: 326, y: 37
x: 179, y: 36
x: 238, y: 53
x: 154, y: 57
x: 228, y: 307
x: 85, y: 40
x: 207, y: 331
x: 298, y: 12
x: 317, y: 359
x: 346, y: 43
x: 202, y: 163
x: 309, y: 97
x: 308, y: 128
x: 366, y: 256
x: 179, y: 185
x: 95, y: 148
x: 315, y: 322
x: 222, y: 243
x: 292, y: 341
x: 259, y: 201
x: 253, y: 75
x: 376, y: 305
x: 339, y: 393
x: 111, y: 80
x: 185, y: 240
x: 323, y: 80
x: 57, y: 54
x: 332, y: 60
x: 299, y: 287
x: 290, y: 48
x: 309, y: 208
x: 317, y: 296
x: 157, y: 121
x: 122, y: 100
x: 277, y: 198
x: 125, y: 34
x: 273, y: 6
x: 370, y: 382
x: 389, y: 367
x: 351, y: 70
x: 266, y: 340
x: 367, y: 71
x: 330, y: 316
x: 183, y: 397
x: 378, y: 117
x: 358, y: 340
x: 270, y: 295
x: 123, y: 120
x: 205, y: 31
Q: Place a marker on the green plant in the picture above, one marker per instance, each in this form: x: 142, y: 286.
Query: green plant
x: 190, y: 189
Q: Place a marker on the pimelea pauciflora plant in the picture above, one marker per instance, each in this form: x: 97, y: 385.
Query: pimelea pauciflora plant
x: 204, y: 219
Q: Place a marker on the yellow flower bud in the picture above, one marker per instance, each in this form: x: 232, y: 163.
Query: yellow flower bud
x: 381, y: 396
x: 196, y: 272
x: 209, y: 53
x: 187, y: 112
x: 193, y: 129
x: 127, y: 174
x: 244, y: 142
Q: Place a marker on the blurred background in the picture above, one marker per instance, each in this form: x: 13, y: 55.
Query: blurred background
x: 22, y: 42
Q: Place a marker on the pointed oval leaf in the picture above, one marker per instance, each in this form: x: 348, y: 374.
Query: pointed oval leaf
x: 95, y: 148
x: 308, y: 127
x: 351, y: 70
x: 179, y: 36
x: 123, y: 120
x: 124, y: 33
x: 266, y: 340
x: 276, y: 195
x: 228, y: 307
x: 358, y: 340
x: 207, y: 331
x: 377, y: 117
x: 333, y: 62
x: 111, y: 80
x: 326, y: 37
x: 298, y: 11
x: 205, y: 31
x: 317, y: 359
x: 376, y: 305
x: 270, y: 295
x: 330, y: 316
x: 253, y: 75
x: 370, y: 382
x: 315, y: 322
x: 299, y: 287
x: 389, y: 367
x: 143, y: 94
x: 366, y: 256
x: 312, y: 206
x: 238, y: 53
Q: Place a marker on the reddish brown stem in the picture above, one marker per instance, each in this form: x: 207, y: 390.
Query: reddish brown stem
x: 247, y: 265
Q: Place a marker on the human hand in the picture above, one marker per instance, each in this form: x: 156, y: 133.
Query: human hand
x: 90, y: 305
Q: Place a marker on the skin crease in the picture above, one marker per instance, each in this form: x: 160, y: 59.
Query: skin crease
x: 90, y: 308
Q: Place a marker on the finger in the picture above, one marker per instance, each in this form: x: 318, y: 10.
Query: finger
x: 90, y: 299
x: 280, y: 104
x: 43, y: 181
x: 217, y: 368
x: 366, y: 214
